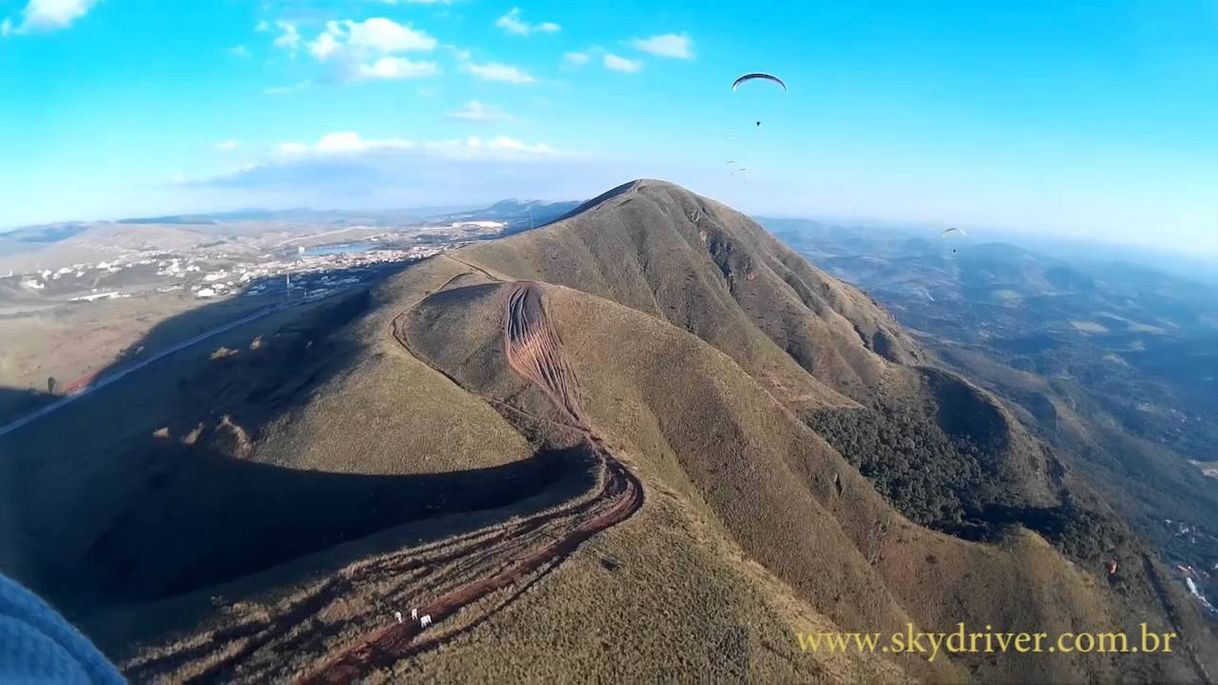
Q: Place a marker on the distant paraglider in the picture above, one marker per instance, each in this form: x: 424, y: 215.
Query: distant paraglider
x: 954, y: 232
x: 756, y: 76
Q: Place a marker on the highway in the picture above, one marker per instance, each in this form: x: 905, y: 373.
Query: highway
x: 119, y: 374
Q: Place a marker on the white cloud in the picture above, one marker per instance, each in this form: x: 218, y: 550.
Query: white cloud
x: 347, y: 142
x: 6, y: 27
x: 396, y: 68
x: 575, y: 59
x: 380, y: 35
x: 678, y: 46
x: 262, y: 26
x: 49, y: 15
x: 351, y: 144
x: 460, y: 54
x: 626, y: 66
x: 494, y: 71
x: 347, y: 170
x: 478, y: 111
x: 368, y: 50
x: 228, y: 145
x: 289, y: 149
x: 239, y: 51
x: 325, y: 46
x: 500, y: 148
x: 288, y: 38
x: 414, y: 2
x: 512, y: 23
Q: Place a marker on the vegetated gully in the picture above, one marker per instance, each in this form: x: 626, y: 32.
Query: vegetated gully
x: 533, y: 351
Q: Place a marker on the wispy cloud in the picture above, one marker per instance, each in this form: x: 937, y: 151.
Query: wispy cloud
x: 345, y: 169
x: 347, y: 161
x: 512, y: 23
x: 395, y: 68
x: 621, y: 64
x: 460, y: 54
x: 479, y: 112
x: 498, y: 148
x: 239, y: 51
x: 677, y: 46
x: 343, y: 142
x: 375, y: 35
x: 364, y: 50
x: 347, y: 143
x: 575, y: 59
x: 288, y: 38
x: 49, y: 15
x: 494, y: 71
x: 228, y: 145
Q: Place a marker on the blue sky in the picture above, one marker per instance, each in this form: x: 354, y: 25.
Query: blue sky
x: 1089, y: 118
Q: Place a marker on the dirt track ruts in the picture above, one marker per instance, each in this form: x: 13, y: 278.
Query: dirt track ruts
x: 533, y: 351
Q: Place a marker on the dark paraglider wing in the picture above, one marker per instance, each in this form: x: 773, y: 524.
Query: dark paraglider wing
x: 758, y: 75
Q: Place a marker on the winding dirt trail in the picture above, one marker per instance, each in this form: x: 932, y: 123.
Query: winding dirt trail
x: 533, y: 545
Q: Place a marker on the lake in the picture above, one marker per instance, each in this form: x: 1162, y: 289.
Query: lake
x: 327, y: 250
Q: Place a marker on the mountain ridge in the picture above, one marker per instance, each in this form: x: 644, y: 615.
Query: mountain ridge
x: 706, y: 353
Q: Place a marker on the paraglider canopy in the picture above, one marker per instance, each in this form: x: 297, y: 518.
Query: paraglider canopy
x: 953, y: 232
x: 758, y: 75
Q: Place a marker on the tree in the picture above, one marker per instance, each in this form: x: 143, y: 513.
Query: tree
x: 51, y: 383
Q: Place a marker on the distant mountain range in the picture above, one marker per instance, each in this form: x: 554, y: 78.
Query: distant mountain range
x: 1113, y: 363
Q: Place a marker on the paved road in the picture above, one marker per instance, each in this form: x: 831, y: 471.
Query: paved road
x: 121, y: 373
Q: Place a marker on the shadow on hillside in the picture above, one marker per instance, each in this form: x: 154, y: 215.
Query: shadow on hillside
x: 17, y: 402
x: 206, y: 518
x: 143, y: 490
x: 259, y: 295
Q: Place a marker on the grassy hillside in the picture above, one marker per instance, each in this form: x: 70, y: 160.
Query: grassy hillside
x: 801, y: 469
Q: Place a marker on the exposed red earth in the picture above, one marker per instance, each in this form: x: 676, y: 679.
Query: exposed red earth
x: 533, y: 350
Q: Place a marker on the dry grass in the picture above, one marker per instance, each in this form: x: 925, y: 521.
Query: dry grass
x: 346, y: 476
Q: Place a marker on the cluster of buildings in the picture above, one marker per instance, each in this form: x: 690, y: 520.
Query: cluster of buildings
x: 211, y: 276
x: 39, y: 280
x: 314, y: 275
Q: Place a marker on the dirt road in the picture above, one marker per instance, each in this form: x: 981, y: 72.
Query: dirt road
x: 533, y: 350
x: 489, y: 567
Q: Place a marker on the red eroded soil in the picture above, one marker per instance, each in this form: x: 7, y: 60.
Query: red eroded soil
x: 533, y: 350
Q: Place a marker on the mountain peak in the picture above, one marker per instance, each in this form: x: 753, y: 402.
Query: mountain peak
x: 704, y: 267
